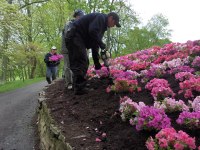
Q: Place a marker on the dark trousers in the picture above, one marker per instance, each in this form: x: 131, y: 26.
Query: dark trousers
x: 79, y: 61
x: 51, y: 73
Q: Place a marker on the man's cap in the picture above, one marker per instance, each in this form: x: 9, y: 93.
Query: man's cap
x: 78, y: 12
x: 53, y: 47
x: 115, y: 17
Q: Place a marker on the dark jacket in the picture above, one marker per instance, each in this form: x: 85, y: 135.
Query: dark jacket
x: 50, y: 63
x: 91, y: 28
x: 67, y: 27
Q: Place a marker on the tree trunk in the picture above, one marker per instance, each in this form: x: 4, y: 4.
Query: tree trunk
x: 22, y: 75
x: 25, y: 73
x: 4, y: 68
x: 30, y: 40
x: 29, y: 72
x: 33, y: 67
x: 13, y: 75
x: 6, y: 36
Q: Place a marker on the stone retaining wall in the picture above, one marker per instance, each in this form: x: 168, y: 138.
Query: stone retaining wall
x: 51, y: 137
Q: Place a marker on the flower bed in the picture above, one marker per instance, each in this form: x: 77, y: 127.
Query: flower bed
x: 175, y: 59
x: 102, y: 120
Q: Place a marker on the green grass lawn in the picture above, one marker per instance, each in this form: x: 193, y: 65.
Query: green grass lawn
x: 8, y: 86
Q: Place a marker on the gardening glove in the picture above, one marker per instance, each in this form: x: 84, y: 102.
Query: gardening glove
x: 105, y: 56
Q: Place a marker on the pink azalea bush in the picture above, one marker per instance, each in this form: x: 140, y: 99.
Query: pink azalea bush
x: 117, y: 66
x: 124, y: 85
x: 150, y: 118
x: 194, y: 50
x: 139, y: 66
x: 196, y: 62
x: 195, y: 104
x: 169, y: 139
x: 129, y: 74
x: 91, y: 72
x: 156, y: 70
x: 56, y: 57
x: 159, y: 89
x: 188, y: 86
x: 190, y: 120
x: 103, y: 72
x: 181, y: 69
x: 179, y: 54
x: 174, y: 63
x: 128, y: 108
x: 156, y: 82
x: 171, y: 105
x: 181, y: 76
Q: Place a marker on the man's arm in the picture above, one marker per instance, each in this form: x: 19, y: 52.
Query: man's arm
x: 46, y: 58
x: 95, y: 56
x: 96, y: 29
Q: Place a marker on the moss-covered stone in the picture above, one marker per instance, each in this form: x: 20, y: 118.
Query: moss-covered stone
x: 51, y: 137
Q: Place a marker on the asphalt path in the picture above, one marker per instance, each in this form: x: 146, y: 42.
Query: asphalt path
x: 17, y: 109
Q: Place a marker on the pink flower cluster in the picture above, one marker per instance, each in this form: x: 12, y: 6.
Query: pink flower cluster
x: 181, y: 76
x: 195, y: 104
x: 139, y: 66
x: 188, y: 86
x: 191, y: 44
x: 168, y: 139
x: 171, y: 105
x: 91, y: 73
x: 195, y: 49
x: 174, y: 63
x: 156, y: 70
x: 189, y: 119
x: 103, y: 72
x: 159, y: 89
x: 128, y: 108
x: 160, y: 59
x: 56, y: 57
x: 129, y: 75
x: 124, y: 85
x: 150, y: 118
x: 196, y: 62
x: 181, y: 69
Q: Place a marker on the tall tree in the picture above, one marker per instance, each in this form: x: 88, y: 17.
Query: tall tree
x: 28, y: 28
x: 158, y: 25
x: 155, y: 32
x: 8, y: 24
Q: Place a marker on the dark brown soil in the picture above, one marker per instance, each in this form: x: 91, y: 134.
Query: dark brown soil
x: 84, y: 118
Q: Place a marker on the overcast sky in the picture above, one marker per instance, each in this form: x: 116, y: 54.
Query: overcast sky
x: 183, y: 16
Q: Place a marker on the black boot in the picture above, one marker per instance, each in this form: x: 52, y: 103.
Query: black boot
x: 82, y: 91
x: 79, y: 85
x: 48, y: 80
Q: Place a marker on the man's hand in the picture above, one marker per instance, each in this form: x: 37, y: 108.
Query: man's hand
x: 97, y: 66
x: 105, y: 56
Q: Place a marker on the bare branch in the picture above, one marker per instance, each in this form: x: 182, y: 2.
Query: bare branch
x: 27, y: 4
